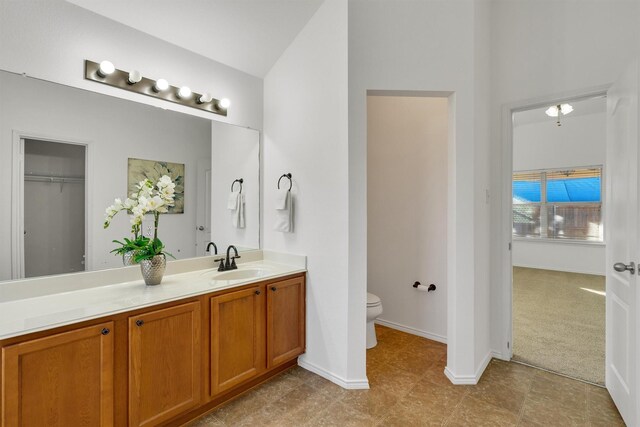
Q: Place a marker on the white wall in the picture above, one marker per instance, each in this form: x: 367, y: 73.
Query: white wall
x: 305, y: 133
x: 114, y: 129
x: 50, y: 39
x: 433, y: 47
x: 234, y: 155
x: 547, y: 48
x: 482, y: 195
x: 407, y: 210
x: 560, y: 256
x: 580, y: 141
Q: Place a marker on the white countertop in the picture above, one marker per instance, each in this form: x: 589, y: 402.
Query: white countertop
x: 21, y: 316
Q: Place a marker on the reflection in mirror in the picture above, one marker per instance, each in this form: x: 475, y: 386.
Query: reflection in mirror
x: 232, y: 163
x: 65, y: 152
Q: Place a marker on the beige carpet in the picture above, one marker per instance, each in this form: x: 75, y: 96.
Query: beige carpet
x: 558, y: 322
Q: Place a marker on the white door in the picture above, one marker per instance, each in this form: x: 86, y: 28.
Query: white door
x: 622, y: 333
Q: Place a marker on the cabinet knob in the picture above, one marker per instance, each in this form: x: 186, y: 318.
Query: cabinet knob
x: 257, y: 292
x: 273, y: 288
x: 105, y: 331
x: 139, y: 322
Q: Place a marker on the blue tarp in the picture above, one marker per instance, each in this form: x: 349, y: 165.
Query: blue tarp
x: 526, y: 191
x: 559, y: 190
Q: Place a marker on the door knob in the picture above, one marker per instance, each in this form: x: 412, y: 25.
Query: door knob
x: 620, y: 267
x: 201, y: 227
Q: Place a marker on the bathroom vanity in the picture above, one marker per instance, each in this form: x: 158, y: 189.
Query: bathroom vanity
x: 126, y: 354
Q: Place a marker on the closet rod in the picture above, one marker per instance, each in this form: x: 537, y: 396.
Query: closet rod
x: 63, y: 179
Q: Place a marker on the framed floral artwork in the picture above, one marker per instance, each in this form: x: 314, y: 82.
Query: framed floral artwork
x: 139, y: 169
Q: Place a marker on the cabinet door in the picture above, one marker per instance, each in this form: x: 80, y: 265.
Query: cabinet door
x: 237, y: 338
x: 61, y: 380
x: 164, y: 364
x: 285, y: 320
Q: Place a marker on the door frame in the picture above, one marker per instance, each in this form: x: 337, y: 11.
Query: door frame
x: 505, y: 349
x: 17, y: 196
x: 203, y: 204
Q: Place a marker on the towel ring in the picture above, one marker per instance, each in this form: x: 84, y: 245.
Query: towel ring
x: 288, y: 176
x: 240, y: 180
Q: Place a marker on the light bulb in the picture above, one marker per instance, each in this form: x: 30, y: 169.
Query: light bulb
x: 184, y: 93
x: 566, y: 109
x: 134, y: 77
x: 224, y: 103
x: 204, y: 98
x: 552, y: 111
x: 161, y: 84
x: 105, y: 69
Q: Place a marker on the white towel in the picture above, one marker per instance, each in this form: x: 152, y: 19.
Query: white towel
x: 232, y: 201
x: 237, y: 215
x: 284, y: 216
x: 281, y: 198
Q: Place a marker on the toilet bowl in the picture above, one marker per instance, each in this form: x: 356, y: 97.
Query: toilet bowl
x: 374, y: 309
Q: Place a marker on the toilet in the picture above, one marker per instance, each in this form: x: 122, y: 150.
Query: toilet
x: 374, y: 309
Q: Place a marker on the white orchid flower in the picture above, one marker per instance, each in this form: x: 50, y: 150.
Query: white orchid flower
x: 111, y: 211
x: 142, y: 202
x: 129, y: 204
x: 154, y: 203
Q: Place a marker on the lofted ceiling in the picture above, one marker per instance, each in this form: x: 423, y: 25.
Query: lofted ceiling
x: 249, y: 35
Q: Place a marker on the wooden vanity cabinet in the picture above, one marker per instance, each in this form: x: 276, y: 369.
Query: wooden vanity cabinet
x: 65, y: 379
x: 154, y: 366
x: 164, y: 363
x: 237, y: 338
x: 285, y: 320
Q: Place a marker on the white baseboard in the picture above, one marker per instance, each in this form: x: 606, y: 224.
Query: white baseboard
x: 362, y: 384
x: 469, y: 379
x: 410, y: 330
x: 499, y: 355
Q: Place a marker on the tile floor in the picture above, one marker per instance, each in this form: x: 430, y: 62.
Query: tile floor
x: 408, y: 388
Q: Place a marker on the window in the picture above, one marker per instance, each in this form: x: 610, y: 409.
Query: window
x: 558, y: 204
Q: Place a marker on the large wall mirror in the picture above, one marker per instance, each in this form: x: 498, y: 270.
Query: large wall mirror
x: 67, y: 153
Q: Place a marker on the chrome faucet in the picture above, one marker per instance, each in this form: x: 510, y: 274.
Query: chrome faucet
x: 215, y: 248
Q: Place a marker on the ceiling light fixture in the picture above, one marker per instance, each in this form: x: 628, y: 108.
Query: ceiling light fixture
x: 133, y: 81
x: 559, y: 110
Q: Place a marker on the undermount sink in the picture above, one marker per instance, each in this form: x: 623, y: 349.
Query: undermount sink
x: 245, y: 273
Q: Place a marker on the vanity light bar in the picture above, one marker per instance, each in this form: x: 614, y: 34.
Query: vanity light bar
x: 123, y: 80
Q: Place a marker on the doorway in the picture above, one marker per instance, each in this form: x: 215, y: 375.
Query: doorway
x: 558, y: 246
x: 53, y: 207
x: 407, y: 181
